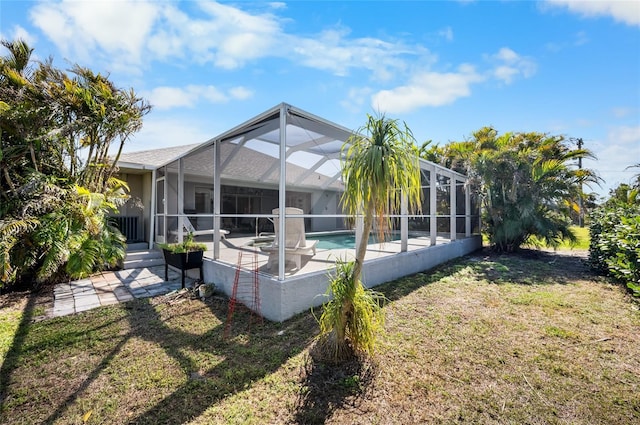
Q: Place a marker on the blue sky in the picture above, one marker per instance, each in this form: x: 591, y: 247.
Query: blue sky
x: 445, y: 68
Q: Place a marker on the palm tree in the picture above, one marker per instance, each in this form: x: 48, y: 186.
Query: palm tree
x: 380, y: 169
x: 526, y: 182
x: 380, y: 166
x: 57, y: 183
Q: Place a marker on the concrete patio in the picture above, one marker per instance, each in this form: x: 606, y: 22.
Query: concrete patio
x: 113, y: 287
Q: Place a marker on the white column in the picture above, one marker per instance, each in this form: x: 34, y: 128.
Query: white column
x: 180, y: 199
x: 216, y: 199
x: 452, y: 200
x: 404, y: 224
x: 282, y: 191
x: 152, y: 210
x: 359, y: 229
x: 467, y: 209
x: 433, y: 225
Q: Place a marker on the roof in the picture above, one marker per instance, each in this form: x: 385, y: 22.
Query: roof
x: 153, y: 158
x: 250, y: 152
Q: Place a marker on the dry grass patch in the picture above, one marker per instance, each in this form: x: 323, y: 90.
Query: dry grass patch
x: 533, y: 338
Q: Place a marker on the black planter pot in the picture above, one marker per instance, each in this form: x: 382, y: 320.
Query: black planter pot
x: 183, y: 261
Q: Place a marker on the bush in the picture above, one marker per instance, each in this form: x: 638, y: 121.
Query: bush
x: 615, y: 243
x: 351, y: 320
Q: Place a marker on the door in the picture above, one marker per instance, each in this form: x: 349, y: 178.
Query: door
x: 160, y: 210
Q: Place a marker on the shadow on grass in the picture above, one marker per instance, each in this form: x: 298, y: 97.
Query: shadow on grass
x: 13, y: 354
x: 326, y: 388
x: 530, y: 267
x: 214, y: 368
x: 525, y: 267
x: 247, y: 357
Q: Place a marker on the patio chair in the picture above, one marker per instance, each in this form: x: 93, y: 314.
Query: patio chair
x: 296, y: 243
x: 189, y: 228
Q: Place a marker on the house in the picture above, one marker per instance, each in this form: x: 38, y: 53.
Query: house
x: 226, y: 190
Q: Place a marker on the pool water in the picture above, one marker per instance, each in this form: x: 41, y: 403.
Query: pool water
x: 345, y: 240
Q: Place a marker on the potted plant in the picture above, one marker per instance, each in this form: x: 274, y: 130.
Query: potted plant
x: 183, y: 255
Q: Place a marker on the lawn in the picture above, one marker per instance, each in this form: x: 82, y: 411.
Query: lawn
x: 531, y: 338
x: 581, y: 244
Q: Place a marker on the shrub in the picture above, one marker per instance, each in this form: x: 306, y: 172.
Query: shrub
x: 351, y: 320
x: 187, y: 245
x: 615, y: 243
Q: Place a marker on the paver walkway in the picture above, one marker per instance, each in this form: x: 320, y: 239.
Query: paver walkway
x: 114, y: 287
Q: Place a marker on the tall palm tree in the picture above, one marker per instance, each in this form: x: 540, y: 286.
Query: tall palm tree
x: 527, y: 182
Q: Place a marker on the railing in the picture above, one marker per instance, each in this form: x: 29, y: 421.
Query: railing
x: 128, y: 226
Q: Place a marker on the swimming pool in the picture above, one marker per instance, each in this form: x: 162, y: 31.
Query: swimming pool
x: 328, y: 240
x: 345, y: 240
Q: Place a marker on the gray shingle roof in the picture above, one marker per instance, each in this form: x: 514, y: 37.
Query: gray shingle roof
x: 153, y: 158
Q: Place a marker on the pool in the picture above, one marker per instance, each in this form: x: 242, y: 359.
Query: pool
x: 328, y: 240
x: 345, y: 240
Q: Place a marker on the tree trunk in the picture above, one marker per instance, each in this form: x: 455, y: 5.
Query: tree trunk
x: 33, y: 157
x: 364, y: 241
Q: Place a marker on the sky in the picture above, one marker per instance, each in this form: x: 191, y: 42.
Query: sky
x: 446, y: 69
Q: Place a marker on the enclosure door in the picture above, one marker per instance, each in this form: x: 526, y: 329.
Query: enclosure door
x: 160, y: 210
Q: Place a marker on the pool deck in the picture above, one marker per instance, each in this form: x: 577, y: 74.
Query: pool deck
x: 324, y: 259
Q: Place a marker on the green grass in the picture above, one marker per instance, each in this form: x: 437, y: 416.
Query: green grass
x: 533, y: 338
x: 582, y: 244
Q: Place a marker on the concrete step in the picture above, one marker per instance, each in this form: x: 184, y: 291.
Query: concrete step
x: 142, y: 263
x: 143, y: 258
x: 137, y: 246
x: 141, y: 254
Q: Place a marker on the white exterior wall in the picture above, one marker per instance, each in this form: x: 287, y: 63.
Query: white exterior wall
x: 280, y: 301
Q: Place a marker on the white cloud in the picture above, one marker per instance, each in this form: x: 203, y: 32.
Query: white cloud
x: 579, y: 39
x: 333, y: 51
x: 161, y: 131
x: 240, y: 93
x: 170, y: 97
x: 446, y: 33
x: 427, y: 89
x: 509, y: 65
x: 175, y: 97
x: 356, y: 99
x: 622, y: 112
x: 627, y: 12
x: 626, y: 135
x: 619, y: 150
x: 122, y: 33
x: 277, y: 5
x: 19, y: 33
x: 127, y: 30
x: 236, y: 36
x: 78, y: 27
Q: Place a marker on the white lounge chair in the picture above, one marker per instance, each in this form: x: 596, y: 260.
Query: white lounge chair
x: 296, y: 243
x: 189, y: 228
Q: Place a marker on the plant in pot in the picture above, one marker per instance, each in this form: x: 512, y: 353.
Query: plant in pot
x: 183, y: 255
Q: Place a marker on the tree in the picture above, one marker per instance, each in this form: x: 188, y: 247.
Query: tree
x: 380, y: 170
x: 58, y: 182
x: 636, y: 183
x: 527, y: 182
x: 614, y: 247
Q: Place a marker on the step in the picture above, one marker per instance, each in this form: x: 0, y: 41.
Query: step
x: 142, y: 263
x: 142, y: 254
x: 137, y: 246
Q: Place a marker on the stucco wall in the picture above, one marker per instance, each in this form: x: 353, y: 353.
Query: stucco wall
x: 280, y: 301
